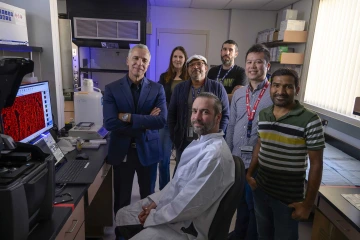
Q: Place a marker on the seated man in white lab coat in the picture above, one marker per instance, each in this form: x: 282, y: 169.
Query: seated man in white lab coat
x: 185, y: 208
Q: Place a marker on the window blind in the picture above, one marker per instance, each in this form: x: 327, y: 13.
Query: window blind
x: 333, y: 80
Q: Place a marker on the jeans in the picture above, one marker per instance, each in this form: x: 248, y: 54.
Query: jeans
x: 273, y: 218
x: 164, y: 164
x: 245, y: 226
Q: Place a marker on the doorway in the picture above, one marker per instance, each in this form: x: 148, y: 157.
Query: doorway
x: 194, y: 42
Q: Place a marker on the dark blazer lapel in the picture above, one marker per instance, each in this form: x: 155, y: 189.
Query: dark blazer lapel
x: 145, y: 90
x: 125, y: 88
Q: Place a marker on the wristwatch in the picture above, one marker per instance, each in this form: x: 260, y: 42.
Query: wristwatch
x: 125, y: 117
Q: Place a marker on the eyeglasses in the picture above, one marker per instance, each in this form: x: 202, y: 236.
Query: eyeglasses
x: 196, y: 64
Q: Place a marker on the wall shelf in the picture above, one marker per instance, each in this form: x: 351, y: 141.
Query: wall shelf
x: 20, y: 48
x: 290, y: 37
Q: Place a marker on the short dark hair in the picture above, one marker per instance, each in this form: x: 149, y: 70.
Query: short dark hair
x: 259, y: 48
x: 286, y: 72
x: 230, y: 42
x: 217, y: 102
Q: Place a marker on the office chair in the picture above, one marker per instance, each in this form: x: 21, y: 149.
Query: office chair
x: 220, y: 225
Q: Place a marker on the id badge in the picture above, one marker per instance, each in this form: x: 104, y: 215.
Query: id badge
x: 246, y: 149
x: 190, y: 132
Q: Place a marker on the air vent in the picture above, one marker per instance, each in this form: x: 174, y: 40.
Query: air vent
x: 111, y: 29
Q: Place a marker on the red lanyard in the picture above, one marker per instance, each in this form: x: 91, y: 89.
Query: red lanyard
x: 251, y: 114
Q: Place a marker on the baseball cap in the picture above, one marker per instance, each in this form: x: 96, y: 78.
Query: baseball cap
x: 198, y: 57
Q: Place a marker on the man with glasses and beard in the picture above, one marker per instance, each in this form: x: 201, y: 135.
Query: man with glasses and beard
x: 229, y: 74
x: 289, y: 135
x: 185, y: 208
x: 183, y: 96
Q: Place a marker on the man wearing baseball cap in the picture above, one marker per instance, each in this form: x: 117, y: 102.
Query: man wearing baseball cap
x: 184, y: 94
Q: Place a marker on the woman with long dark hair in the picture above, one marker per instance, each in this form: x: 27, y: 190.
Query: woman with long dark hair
x: 175, y: 74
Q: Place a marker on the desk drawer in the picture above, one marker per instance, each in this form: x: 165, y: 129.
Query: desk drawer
x: 94, y: 187
x: 81, y: 234
x: 342, y: 224
x: 73, y: 224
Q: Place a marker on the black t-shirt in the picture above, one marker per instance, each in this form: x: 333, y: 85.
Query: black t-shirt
x: 235, y: 77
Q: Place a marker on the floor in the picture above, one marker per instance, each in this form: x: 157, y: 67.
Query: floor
x: 304, y: 227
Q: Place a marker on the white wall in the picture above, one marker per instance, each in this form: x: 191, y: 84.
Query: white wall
x: 244, y: 26
x: 215, y: 21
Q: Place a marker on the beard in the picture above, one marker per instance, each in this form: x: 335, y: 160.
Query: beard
x: 204, y: 128
x: 285, y: 101
x: 225, y: 61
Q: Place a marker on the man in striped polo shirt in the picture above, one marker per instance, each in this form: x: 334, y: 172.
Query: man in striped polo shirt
x: 288, y: 133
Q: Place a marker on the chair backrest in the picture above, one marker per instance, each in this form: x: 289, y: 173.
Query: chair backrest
x: 220, y: 225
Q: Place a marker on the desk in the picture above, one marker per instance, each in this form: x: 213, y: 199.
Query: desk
x: 89, y: 217
x: 341, y: 214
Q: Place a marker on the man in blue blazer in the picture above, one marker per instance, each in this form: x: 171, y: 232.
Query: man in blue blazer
x: 134, y: 111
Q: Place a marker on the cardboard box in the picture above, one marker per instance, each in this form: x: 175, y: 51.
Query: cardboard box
x: 292, y: 58
x: 293, y: 36
x: 323, y: 229
x: 289, y: 14
x: 292, y: 25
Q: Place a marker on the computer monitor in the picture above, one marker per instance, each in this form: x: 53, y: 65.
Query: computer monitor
x: 30, y: 115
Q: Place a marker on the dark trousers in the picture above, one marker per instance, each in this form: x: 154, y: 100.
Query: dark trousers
x: 245, y: 226
x: 124, y: 176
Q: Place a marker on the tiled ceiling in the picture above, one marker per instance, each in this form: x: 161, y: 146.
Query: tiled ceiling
x: 270, y: 5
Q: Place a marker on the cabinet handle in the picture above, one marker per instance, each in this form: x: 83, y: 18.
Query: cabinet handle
x: 76, y: 222
x: 340, y: 224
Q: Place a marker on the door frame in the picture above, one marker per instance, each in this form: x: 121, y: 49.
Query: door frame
x: 182, y: 31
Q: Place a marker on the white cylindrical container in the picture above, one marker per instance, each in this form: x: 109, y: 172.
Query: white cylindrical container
x: 88, y: 104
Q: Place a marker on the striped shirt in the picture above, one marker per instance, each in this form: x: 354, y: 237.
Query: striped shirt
x: 236, y: 135
x: 283, y: 152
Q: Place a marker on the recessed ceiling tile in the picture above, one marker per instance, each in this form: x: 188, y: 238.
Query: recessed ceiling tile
x: 247, y: 4
x: 276, y: 5
x: 210, y: 4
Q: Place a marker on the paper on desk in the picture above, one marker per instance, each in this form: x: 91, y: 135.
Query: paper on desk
x: 65, y: 146
x: 354, y: 199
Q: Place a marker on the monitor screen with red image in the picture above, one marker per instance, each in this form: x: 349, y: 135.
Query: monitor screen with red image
x: 30, y: 115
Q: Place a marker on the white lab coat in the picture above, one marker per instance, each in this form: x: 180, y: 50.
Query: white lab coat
x: 205, y: 173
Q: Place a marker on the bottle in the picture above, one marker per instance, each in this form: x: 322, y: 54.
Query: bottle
x: 78, y: 144
x: 72, y: 122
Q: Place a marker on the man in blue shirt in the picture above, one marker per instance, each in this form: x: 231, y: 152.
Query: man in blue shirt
x: 242, y: 130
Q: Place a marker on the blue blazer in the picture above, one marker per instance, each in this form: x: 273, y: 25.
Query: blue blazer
x: 144, y: 128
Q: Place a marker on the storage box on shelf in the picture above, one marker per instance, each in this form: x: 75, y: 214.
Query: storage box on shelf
x: 290, y: 37
x: 292, y: 58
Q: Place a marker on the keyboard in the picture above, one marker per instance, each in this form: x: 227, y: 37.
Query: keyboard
x: 70, y: 171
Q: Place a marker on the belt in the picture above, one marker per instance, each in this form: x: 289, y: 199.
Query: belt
x: 133, y: 145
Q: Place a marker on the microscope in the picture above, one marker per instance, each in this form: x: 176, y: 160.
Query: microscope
x: 27, y: 176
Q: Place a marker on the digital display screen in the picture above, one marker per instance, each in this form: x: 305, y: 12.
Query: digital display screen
x: 30, y: 115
